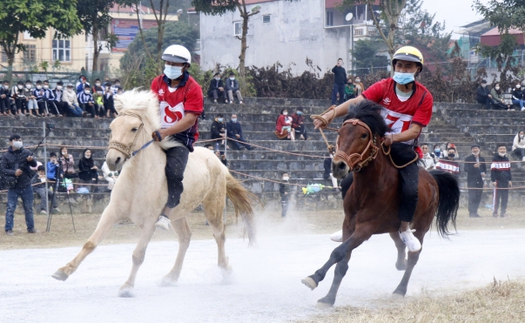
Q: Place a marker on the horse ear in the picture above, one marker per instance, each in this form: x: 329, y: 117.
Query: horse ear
x: 118, y: 105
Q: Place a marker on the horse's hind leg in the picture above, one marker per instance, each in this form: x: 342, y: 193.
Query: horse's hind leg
x: 183, y: 231
x: 214, y: 215
x: 138, y: 258
x: 401, y: 263
x: 105, y: 224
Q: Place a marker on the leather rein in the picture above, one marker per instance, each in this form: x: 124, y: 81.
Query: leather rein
x: 357, y: 161
x: 127, y: 149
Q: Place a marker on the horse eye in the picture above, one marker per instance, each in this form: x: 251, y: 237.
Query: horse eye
x: 364, y: 136
x: 134, y: 129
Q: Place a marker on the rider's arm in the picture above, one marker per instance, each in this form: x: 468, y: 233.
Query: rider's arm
x: 339, y: 110
x: 409, y: 134
x: 183, y: 124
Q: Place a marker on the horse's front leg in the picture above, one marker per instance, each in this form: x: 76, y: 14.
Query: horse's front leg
x: 401, y: 263
x: 413, y: 257
x: 107, y: 220
x: 148, y: 228
x: 183, y: 231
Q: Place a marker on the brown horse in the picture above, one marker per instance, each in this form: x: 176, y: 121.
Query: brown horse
x: 371, y: 204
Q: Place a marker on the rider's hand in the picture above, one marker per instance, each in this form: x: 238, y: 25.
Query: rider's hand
x: 389, y: 140
x: 330, y: 115
x: 157, y: 135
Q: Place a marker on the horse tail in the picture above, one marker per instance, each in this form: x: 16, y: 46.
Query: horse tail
x: 242, y: 202
x: 448, y: 200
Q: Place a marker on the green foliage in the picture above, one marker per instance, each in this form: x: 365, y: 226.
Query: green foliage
x: 214, y: 7
x: 504, y: 14
x: 365, y: 56
x: 502, y: 52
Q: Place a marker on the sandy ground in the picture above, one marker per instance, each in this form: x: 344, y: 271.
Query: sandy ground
x: 265, y: 285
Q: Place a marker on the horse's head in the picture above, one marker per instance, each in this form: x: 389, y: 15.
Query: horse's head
x: 137, y: 119
x: 359, y: 138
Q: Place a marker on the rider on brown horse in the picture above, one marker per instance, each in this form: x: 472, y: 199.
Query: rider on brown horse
x: 407, y: 108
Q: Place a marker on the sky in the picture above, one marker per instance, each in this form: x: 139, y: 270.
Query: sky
x: 455, y: 13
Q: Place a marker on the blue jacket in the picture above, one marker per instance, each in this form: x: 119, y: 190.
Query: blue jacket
x: 51, y: 170
x: 232, y: 85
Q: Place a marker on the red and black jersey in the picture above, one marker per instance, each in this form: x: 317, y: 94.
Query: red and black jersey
x: 500, y: 169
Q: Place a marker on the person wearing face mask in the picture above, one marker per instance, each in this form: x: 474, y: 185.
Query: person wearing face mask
x: 58, y: 93
x: 5, y: 94
x: 350, y: 89
x: 232, y: 87
x: 180, y: 104
x: 109, y: 102
x: 498, y: 98
x: 437, y: 153
x: 483, y: 95
x: 518, y: 96
x: 20, y: 100
x: 82, y: 84
x: 339, y: 82
x: 32, y: 104
x: 449, y: 163
x: 87, y: 102
x: 87, y: 170
x: 218, y: 131
x: 234, y: 131
x: 476, y: 169
x: 360, y: 87
x: 216, y: 89
x: 501, y: 178
x: 298, y: 124
x: 283, y: 126
x: 407, y: 109
x: 284, y: 193
x: 67, y: 163
x: 518, y: 145
x: 70, y: 98
x: 15, y: 167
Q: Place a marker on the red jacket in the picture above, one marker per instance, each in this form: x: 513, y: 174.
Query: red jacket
x: 283, y: 121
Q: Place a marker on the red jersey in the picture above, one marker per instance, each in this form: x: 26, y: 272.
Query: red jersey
x: 398, y: 114
x: 175, y: 103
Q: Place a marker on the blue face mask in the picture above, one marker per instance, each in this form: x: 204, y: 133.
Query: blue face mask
x: 172, y: 72
x: 219, y: 119
x: 232, y: 78
x: 403, y: 78
x: 299, y: 113
x: 234, y: 119
x: 437, y: 150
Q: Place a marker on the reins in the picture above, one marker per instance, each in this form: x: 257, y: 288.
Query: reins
x: 126, y: 149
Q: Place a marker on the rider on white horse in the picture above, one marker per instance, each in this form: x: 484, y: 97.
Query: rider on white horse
x: 407, y: 108
x: 180, y: 105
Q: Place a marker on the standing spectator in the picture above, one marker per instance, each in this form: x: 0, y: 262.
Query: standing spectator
x: 283, y: 126
x: 339, y: 82
x: 218, y: 130
x: 58, y: 93
x: 14, y: 166
x: 87, y: 171
x: 116, y: 87
x: 350, y: 89
x: 476, y: 169
x: 109, y: 103
x: 360, y: 87
x: 501, y: 179
x: 39, y: 187
x: 86, y: 101
x: 498, y: 98
x: 234, y: 131
x: 109, y: 176
x: 284, y: 192
x: 70, y: 98
x: 448, y: 146
x: 448, y: 164
x: 67, y: 163
x: 518, y: 96
x: 428, y: 157
x: 518, y: 145
x: 298, y: 124
x: 52, y: 167
x: 437, y: 152
x: 232, y: 87
x: 20, y: 100
x: 216, y: 89
x: 82, y: 84
x: 5, y: 97
x: 327, y: 165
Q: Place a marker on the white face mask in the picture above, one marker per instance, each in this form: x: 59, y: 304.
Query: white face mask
x: 39, y: 87
x: 217, y: 79
x: 285, y: 178
x: 172, y: 72
x: 501, y: 155
x: 87, y: 91
x: 97, y: 84
x: 18, y: 144
x: 59, y: 87
x: 46, y: 87
x: 497, y: 88
x: 285, y: 113
x: 357, y: 80
x: 6, y: 87
x: 232, y: 78
x: 28, y: 86
x: 20, y: 87
x: 518, y: 86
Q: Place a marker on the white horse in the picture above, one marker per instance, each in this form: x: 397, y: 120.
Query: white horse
x: 141, y: 190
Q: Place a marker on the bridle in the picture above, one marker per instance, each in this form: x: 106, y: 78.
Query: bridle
x: 355, y: 161
x: 127, y: 149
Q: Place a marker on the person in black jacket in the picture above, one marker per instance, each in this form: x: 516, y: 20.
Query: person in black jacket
x: 483, y: 95
x: 218, y: 131
x: 5, y: 98
x: 87, y: 171
x: 339, y: 82
x: 14, y: 166
x: 284, y: 192
x: 501, y: 178
x: 216, y: 89
x: 476, y: 169
x: 234, y: 131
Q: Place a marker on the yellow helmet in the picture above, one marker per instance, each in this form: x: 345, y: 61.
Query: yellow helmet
x: 408, y: 53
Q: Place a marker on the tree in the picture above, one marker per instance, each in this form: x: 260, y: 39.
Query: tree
x: 364, y: 56
x: 34, y: 17
x: 504, y: 14
x: 94, y: 16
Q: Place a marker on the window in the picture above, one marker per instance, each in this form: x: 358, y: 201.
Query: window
x: 266, y: 19
x: 329, y: 18
x: 62, y: 50
x: 30, y: 54
x: 27, y: 35
x: 237, y: 28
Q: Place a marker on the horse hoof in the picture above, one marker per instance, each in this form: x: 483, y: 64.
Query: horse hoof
x: 125, y: 292
x: 60, y: 275
x: 309, y: 282
x: 401, y: 265
x: 166, y: 282
x: 227, y: 276
x: 398, y: 294
x: 325, y: 303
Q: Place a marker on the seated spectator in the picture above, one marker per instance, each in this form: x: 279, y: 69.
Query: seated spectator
x: 428, y: 157
x: 232, y: 87
x: 32, y: 105
x: 86, y: 102
x: 298, y: 124
x: 222, y: 157
x: 498, y: 98
x: 360, y: 87
x: 437, y: 153
x: 5, y: 97
x: 218, y: 130
x: 518, y: 96
x: 87, y: 171
x: 58, y: 93
x: 109, y: 176
x: 448, y: 164
x: 216, y: 89
x: 39, y: 186
x: 70, y: 98
x: 209, y: 147
x: 52, y: 167
x: 327, y: 165
x: 483, y: 95
x: 67, y: 163
x: 234, y: 131
x: 350, y: 89
x: 109, y: 103
x: 283, y: 126
x: 518, y: 145
x: 20, y: 100
x: 116, y: 87
x: 449, y: 146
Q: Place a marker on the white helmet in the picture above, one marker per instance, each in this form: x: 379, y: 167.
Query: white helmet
x: 177, y: 54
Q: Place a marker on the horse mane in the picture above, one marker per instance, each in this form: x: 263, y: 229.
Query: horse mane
x: 370, y: 113
x: 144, y: 103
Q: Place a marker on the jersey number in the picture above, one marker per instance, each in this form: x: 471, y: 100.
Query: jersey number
x: 171, y: 116
x: 393, y: 119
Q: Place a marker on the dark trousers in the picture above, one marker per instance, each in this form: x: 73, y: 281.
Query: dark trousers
x: 501, y: 195
x: 47, y: 107
x: 5, y: 105
x: 88, y: 108
x: 519, y: 152
x: 176, y: 160
x: 338, y: 88
x: 408, y: 181
x: 284, y: 205
x: 21, y: 105
x: 474, y: 197
x: 301, y: 131
x: 62, y: 107
x: 26, y: 194
x: 238, y: 145
x: 216, y: 94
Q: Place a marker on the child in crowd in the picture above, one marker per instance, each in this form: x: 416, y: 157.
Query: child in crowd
x: 39, y: 186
